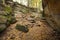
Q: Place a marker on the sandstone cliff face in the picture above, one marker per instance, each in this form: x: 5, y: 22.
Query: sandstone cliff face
x: 52, y: 13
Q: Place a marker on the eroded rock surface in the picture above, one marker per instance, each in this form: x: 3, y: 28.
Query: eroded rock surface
x: 52, y: 13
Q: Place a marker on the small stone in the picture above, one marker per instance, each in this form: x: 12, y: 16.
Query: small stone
x: 39, y: 25
x: 12, y: 37
x: 32, y: 21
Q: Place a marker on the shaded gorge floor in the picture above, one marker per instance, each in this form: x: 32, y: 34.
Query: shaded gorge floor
x: 38, y: 29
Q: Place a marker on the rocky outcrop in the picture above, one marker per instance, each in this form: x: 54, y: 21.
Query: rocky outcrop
x: 52, y: 13
x: 23, y: 8
x: 6, y: 17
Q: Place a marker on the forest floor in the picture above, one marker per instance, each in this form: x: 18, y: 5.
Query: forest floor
x: 38, y: 30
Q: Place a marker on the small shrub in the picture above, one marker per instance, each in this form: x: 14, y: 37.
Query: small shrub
x: 8, y: 9
x: 22, y: 28
x: 9, y: 19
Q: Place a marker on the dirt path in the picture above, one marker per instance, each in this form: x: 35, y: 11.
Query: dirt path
x: 37, y: 29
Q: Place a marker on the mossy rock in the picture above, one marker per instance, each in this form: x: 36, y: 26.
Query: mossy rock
x: 22, y: 28
x: 10, y: 20
x: 8, y: 23
x: 32, y: 16
x: 2, y: 27
x: 3, y: 19
x: 3, y: 13
x: 13, y: 20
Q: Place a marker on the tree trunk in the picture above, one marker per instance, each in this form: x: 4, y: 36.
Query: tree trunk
x: 3, y: 2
